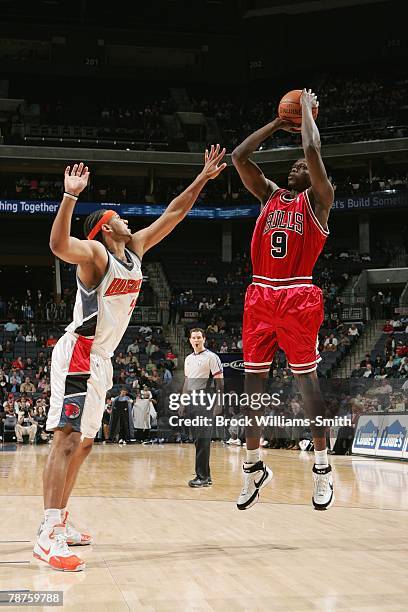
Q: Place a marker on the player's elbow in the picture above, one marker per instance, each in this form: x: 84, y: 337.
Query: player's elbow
x: 237, y: 156
x: 53, y: 244
x: 56, y: 247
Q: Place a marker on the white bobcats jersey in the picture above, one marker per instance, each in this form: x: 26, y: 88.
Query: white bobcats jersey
x: 103, y: 313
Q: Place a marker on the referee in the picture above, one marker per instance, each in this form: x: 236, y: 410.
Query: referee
x: 199, y: 366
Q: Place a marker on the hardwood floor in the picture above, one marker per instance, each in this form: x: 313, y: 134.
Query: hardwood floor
x: 161, y: 546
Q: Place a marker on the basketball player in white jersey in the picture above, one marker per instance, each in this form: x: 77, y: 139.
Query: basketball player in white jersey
x: 108, y: 283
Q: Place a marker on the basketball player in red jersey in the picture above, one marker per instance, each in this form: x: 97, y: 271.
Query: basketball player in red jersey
x: 282, y: 306
x: 108, y: 282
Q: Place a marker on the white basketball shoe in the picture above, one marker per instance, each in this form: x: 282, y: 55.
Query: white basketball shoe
x: 256, y: 477
x: 51, y: 547
x: 323, y: 496
x: 75, y: 537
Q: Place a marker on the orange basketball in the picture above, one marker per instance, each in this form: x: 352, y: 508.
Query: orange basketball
x: 290, y: 108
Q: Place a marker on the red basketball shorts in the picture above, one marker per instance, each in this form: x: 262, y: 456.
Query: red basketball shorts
x: 286, y: 318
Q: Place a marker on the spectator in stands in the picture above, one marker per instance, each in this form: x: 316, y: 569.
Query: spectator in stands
x: 224, y: 347
x: 388, y: 328
x: 151, y: 348
x: 353, y: 330
x: 396, y: 324
x: 40, y: 418
x: 379, y: 362
x: 43, y: 385
x: 366, y: 361
x: 212, y: 279
x: 390, y: 364
x: 27, y: 386
x: 167, y: 376
x: 51, y: 342
x: 212, y: 328
x: 31, y: 337
x: 368, y: 371
x: 26, y: 425
x: 11, y: 326
x: 403, y: 369
x: 120, y: 359
x: 18, y: 363
x: 330, y: 344
x: 9, y: 419
x: 14, y: 383
x: 389, y: 345
x: 384, y: 388
x: 171, y: 357
x: 381, y: 374
x: 345, y: 341
x: 133, y: 347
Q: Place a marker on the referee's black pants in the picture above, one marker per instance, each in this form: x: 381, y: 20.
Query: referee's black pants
x: 202, y: 441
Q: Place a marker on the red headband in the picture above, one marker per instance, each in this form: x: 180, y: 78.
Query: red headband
x: 104, y: 219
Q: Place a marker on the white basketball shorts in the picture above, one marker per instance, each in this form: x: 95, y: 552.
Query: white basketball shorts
x: 80, y: 379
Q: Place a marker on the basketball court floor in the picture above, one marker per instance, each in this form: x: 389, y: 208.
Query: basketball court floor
x: 161, y: 546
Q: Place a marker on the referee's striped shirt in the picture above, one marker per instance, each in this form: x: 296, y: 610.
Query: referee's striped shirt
x: 199, y: 366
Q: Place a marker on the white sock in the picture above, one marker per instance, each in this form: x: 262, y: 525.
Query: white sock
x: 52, y: 517
x: 321, y: 458
x: 63, y: 510
x: 253, y: 456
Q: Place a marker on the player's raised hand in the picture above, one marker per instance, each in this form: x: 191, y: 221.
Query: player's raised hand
x: 212, y: 158
x: 76, y: 180
x: 308, y: 99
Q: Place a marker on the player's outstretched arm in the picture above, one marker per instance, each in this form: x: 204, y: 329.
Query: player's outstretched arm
x: 251, y: 174
x: 146, y: 238
x: 66, y: 247
x: 322, y: 191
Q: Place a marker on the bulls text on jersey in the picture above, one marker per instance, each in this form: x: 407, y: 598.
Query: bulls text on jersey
x: 122, y: 286
x: 284, y: 219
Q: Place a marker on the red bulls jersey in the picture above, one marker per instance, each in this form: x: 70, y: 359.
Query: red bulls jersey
x: 286, y: 242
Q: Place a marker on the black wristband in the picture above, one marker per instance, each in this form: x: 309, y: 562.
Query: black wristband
x: 71, y: 195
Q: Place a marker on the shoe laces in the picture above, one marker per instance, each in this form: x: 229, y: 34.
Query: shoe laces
x: 247, y: 481
x: 61, y: 545
x: 322, y: 482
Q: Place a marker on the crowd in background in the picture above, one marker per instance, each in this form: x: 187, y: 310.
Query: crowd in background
x: 351, y: 109
x: 164, y: 190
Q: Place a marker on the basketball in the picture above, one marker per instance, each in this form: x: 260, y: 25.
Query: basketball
x: 291, y: 110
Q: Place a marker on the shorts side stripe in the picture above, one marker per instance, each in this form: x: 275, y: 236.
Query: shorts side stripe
x: 282, y: 279
x: 260, y: 363
x: 303, y: 365
x: 282, y: 286
x: 305, y: 371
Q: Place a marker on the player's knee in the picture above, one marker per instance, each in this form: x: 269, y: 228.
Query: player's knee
x: 86, y: 445
x: 68, y: 443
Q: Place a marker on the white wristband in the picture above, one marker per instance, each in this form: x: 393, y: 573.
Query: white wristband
x: 70, y: 195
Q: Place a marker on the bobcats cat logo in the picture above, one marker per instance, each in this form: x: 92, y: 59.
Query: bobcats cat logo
x: 72, y: 411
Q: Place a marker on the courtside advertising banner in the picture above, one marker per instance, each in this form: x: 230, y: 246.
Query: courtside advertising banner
x: 232, y: 364
x: 392, y: 439
x: 367, y: 433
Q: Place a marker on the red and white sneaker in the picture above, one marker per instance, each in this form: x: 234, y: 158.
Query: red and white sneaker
x: 75, y: 537
x: 51, y: 547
